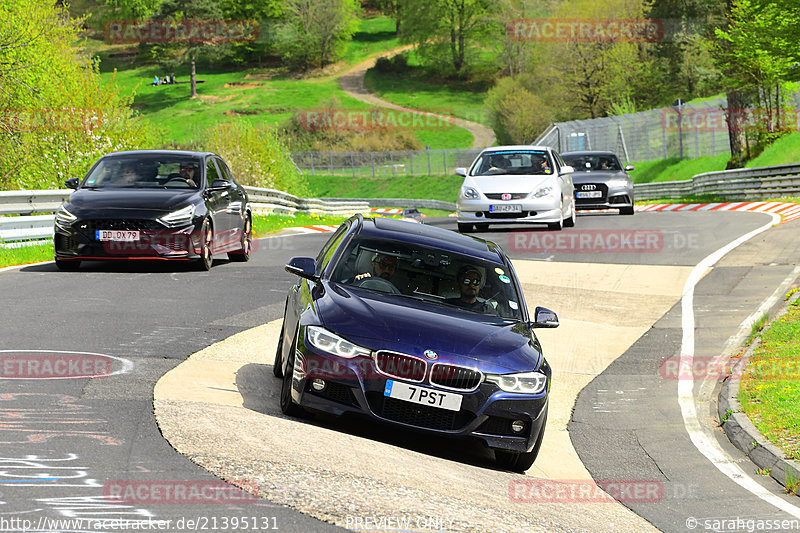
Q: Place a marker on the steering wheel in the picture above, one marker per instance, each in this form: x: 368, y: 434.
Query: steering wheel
x: 377, y: 284
x: 177, y: 177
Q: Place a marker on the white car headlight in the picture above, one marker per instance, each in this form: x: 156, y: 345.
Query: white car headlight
x: 542, y: 192
x: 522, y: 383
x: 64, y: 217
x: 617, y: 183
x: 325, y: 341
x: 181, y: 217
x: 470, y: 193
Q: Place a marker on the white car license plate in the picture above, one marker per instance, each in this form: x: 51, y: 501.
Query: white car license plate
x: 589, y: 194
x: 422, y: 395
x: 117, y: 235
x: 505, y: 208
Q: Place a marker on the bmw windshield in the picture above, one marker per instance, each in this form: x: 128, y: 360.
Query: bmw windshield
x: 430, y: 274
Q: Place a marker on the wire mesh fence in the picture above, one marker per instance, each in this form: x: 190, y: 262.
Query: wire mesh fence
x: 385, y: 164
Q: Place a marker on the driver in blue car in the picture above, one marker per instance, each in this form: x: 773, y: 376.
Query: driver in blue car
x: 383, y: 266
x: 469, y: 282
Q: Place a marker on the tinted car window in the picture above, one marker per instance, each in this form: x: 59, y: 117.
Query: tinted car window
x: 430, y: 274
x: 142, y: 171
x: 590, y: 162
x: 330, y: 247
x: 211, y: 171
x: 516, y: 162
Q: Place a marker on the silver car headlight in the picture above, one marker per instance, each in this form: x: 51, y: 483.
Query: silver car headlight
x: 325, y: 341
x: 64, y: 217
x: 617, y: 183
x: 521, y: 383
x: 542, y: 192
x: 181, y: 217
x: 470, y: 193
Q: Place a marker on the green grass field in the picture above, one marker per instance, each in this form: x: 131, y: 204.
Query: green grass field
x: 770, y: 387
x: 444, y: 187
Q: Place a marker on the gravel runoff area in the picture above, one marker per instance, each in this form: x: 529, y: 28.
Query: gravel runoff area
x: 220, y: 409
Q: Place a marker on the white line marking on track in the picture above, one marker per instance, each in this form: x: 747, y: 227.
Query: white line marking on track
x: 700, y: 435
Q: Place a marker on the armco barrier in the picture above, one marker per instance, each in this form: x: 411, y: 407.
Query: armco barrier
x: 36, y: 227
x: 737, y: 184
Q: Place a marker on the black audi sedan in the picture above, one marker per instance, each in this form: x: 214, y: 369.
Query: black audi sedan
x: 601, y: 182
x: 154, y: 204
x: 420, y: 328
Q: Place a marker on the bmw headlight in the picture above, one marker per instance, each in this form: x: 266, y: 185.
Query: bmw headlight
x: 470, y: 193
x: 64, y: 217
x: 542, y: 192
x: 522, y: 383
x: 325, y: 341
x: 181, y: 217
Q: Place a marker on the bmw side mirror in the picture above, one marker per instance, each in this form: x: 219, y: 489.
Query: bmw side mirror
x: 566, y: 169
x: 305, y: 267
x: 461, y: 171
x: 217, y: 185
x: 628, y: 168
x: 72, y: 183
x: 544, y: 318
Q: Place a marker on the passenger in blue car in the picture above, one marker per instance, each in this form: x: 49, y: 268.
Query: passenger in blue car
x: 469, y: 283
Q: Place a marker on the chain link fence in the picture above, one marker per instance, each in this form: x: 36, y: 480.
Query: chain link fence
x: 385, y: 164
x: 684, y: 131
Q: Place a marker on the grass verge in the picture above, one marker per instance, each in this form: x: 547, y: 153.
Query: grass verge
x: 444, y: 187
x: 770, y: 385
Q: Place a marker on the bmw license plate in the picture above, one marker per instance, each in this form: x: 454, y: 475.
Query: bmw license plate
x: 117, y: 235
x: 505, y: 208
x: 589, y: 194
x: 422, y: 395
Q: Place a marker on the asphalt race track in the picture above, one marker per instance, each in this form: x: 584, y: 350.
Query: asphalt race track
x: 90, y: 448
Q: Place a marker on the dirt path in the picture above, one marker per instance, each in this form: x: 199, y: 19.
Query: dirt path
x: 352, y: 82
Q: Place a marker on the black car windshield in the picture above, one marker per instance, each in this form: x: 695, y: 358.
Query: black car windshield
x: 513, y: 162
x: 149, y: 172
x: 430, y: 274
x: 590, y: 162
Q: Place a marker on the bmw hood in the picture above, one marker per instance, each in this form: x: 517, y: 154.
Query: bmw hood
x: 150, y: 199
x: 501, y: 184
x: 382, y: 321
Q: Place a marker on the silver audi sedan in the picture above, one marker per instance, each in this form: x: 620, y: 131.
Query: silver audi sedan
x: 601, y: 182
x: 516, y: 185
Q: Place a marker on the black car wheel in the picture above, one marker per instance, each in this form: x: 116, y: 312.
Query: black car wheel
x: 570, y: 222
x: 73, y: 264
x: 246, y: 243
x: 520, y: 461
x: 481, y: 227
x: 206, y: 245
x: 626, y: 210
x: 464, y: 228
x: 288, y: 406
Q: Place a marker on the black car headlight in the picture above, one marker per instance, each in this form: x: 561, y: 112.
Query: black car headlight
x: 325, y: 341
x: 521, y: 383
x: 181, y: 217
x: 64, y: 217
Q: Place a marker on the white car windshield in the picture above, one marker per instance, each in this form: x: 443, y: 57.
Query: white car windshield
x: 520, y: 162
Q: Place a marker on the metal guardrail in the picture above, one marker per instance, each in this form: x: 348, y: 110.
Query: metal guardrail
x: 737, y: 184
x: 15, y: 229
x: 404, y: 202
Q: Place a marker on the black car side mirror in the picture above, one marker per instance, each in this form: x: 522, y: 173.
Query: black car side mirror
x: 218, y: 185
x: 544, y: 318
x: 72, y: 183
x: 305, y: 267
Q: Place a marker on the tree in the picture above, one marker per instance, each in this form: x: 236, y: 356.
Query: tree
x: 314, y: 30
x: 446, y: 30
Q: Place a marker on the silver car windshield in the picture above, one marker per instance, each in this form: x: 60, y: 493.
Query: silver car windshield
x: 590, y: 162
x: 522, y: 162
x: 430, y: 274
